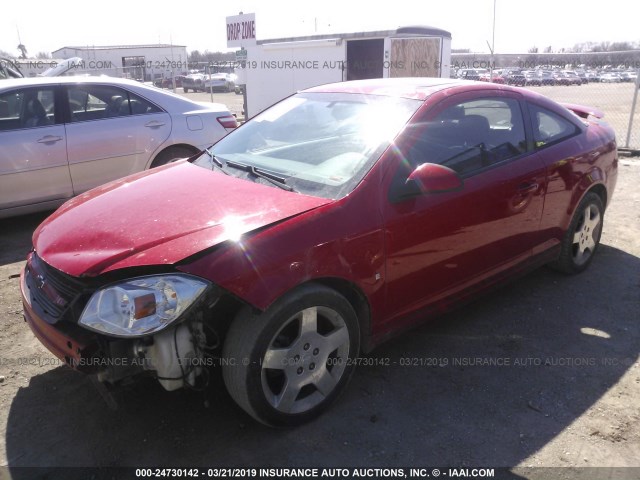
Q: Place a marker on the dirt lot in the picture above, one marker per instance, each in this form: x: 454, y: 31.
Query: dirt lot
x: 543, y: 373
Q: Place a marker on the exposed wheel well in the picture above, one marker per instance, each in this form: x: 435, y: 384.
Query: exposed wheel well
x: 157, y: 160
x: 358, y: 301
x: 601, y: 191
x: 226, y: 310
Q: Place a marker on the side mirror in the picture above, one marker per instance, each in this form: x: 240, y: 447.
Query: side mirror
x: 432, y: 178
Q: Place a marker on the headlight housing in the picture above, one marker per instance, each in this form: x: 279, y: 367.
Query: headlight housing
x: 141, y: 306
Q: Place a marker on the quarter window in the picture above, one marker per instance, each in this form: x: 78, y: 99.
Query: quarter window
x: 549, y: 127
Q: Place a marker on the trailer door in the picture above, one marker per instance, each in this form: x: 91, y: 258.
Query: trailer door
x: 365, y: 59
x: 415, y: 57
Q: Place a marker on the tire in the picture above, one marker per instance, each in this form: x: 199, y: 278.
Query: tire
x: 582, y: 238
x: 287, y: 365
x: 185, y: 89
x: 171, y: 154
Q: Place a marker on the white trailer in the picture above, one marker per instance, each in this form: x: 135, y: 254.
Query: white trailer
x: 275, y: 69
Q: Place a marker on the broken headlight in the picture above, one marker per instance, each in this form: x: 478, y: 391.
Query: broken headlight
x: 141, y: 306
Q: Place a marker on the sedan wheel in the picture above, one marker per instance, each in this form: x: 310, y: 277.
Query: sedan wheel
x: 288, y: 364
x: 583, y: 235
x: 170, y: 155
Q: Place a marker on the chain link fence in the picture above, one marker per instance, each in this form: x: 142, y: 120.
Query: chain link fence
x: 615, y: 99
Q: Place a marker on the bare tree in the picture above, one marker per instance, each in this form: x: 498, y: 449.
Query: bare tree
x: 23, y: 51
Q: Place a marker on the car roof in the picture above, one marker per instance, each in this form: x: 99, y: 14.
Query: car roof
x: 36, y: 81
x: 419, y: 88
x: 162, y: 97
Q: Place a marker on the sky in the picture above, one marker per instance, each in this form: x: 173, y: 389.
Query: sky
x: 520, y: 25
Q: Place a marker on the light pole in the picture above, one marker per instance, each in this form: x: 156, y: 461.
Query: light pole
x: 493, y: 42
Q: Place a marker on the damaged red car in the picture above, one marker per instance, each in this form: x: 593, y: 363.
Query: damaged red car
x: 333, y: 220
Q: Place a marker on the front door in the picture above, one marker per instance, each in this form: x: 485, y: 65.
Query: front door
x: 440, y: 244
x: 33, y: 149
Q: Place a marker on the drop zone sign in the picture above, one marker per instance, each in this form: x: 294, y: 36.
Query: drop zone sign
x: 241, y: 30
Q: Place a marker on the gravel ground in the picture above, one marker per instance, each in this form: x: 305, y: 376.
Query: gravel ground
x: 542, y: 373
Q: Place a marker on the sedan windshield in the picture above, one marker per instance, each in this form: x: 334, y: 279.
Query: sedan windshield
x: 319, y: 144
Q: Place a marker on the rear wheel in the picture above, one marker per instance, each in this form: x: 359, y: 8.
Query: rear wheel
x: 583, y: 236
x: 171, y: 154
x: 288, y: 364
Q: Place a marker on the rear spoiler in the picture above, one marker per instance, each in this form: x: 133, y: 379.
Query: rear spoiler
x: 583, y: 111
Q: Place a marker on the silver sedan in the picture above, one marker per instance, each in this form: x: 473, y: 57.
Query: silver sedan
x: 62, y: 136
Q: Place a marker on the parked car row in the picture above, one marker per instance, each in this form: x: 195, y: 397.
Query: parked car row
x: 542, y: 77
x: 201, y: 82
x: 168, y: 82
x: 61, y: 136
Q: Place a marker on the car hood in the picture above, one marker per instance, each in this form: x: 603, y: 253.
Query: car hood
x: 159, y: 217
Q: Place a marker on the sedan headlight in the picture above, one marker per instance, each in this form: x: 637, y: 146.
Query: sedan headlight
x: 141, y: 306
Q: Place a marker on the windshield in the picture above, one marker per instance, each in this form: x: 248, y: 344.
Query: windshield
x: 319, y: 144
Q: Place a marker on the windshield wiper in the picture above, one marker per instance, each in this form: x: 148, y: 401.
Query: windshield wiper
x: 270, y: 177
x: 215, y: 161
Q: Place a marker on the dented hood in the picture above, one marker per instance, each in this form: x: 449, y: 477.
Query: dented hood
x: 159, y: 217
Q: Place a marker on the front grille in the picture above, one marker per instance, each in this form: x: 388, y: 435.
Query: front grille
x: 52, y: 292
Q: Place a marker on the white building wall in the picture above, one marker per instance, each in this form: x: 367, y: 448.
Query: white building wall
x: 159, y: 60
x: 275, y: 71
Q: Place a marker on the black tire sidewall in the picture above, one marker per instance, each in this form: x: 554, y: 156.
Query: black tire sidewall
x: 274, y: 319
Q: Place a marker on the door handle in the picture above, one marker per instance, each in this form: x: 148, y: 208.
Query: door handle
x: 154, y: 123
x: 49, y: 139
x: 528, y: 187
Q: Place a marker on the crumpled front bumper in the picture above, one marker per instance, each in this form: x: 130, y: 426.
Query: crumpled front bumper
x: 74, y: 351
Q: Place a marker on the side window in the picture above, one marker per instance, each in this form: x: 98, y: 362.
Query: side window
x: 549, y: 127
x: 140, y: 106
x: 94, y: 102
x: 471, y: 135
x: 27, y: 109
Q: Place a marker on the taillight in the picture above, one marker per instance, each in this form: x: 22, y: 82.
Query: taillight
x: 228, y: 121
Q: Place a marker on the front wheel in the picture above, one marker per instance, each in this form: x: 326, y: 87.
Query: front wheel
x: 582, y: 237
x: 286, y: 365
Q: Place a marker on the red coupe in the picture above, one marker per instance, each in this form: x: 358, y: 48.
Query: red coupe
x: 328, y: 223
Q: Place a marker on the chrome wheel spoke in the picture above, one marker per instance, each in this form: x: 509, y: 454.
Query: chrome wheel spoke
x: 284, y: 402
x: 592, y: 223
x: 336, y: 339
x: 309, y: 320
x: 275, y: 358
x: 577, y: 236
x: 325, y: 382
